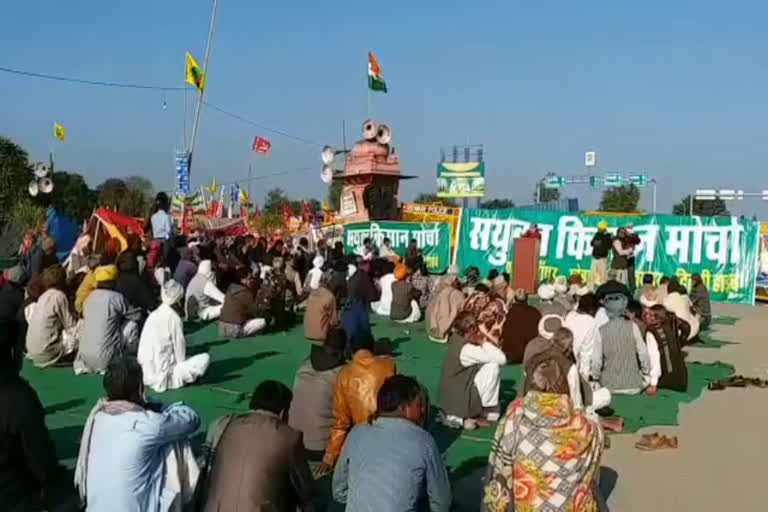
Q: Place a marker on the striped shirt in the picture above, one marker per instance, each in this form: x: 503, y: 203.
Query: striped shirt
x: 392, y: 465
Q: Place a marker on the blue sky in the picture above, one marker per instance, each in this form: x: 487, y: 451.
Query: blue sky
x: 675, y: 89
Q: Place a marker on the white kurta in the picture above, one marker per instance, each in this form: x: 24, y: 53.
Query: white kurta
x: 384, y: 305
x: 586, y: 334
x: 681, y: 306
x: 163, y: 349
x: 488, y: 378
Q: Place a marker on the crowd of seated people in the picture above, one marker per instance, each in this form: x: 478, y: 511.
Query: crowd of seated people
x: 122, y: 314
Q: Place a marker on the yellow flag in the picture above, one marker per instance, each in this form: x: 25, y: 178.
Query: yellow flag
x: 59, y: 132
x: 194, y: 75
x: 244, y: 197
x: 213, y: 188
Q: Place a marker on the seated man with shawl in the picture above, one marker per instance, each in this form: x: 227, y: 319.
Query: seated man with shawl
x: 547, y: 304
x: 163, y: 349
x: 545, y: 455
x: 665, y: 338
x: 53, y: 330
x: 445, y: 304
x: 620, y: 361
x: 321, y: 313
x: 354, y: 398
x: 520, y: 327
x: 270, y: 298
x: 135, y: 455
x: 471, y: 377
x: 257, y: 461
x: 313, y: 388
x: 203, y: 299
x: 110, y: 325
x: 405, y: 298
x: 561, y: 293
x: 30, y: 476
x: 239, y: 316
x: 490, y: 310
x: 700, y: 300
x: 678, y: 302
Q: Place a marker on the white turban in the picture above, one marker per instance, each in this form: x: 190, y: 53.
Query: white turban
x: 171, y: 292
x: 561, y: 284
x: 546, y: 292
x: 548, y: 325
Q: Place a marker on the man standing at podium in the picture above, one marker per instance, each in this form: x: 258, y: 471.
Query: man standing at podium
x: 601, y: 246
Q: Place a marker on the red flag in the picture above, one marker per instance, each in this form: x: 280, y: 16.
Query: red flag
x: 287, y: 213
x: 244, y: 213
x: 261, y: 145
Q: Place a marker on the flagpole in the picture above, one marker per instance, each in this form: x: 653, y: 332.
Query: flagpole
x: 205, y: 79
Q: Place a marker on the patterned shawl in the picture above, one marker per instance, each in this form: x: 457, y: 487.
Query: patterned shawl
x: 545, y: 456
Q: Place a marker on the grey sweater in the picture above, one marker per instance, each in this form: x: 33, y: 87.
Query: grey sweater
x: 621, y: 360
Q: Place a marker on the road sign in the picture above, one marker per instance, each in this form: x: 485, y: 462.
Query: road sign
x: 706, y: 194
x: 595, y: 181
x: 590, y: 159
x: 638, y: 180
x: 613, y: 179
x: 554, y: 181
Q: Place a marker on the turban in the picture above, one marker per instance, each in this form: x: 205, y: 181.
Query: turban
x: 401, y: 272
x: 105, y: 273
x: 546, y: 292
x: 171, y: 292
x: 548, y: 325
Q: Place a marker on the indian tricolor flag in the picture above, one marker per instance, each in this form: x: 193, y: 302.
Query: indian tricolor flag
x: 375, y: 80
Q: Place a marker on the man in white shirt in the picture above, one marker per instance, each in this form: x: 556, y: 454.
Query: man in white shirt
x: 366, y: 252
x: 586, y: 331
x: 385, y: 251
x: 471, y: 376
x: 204, y: 300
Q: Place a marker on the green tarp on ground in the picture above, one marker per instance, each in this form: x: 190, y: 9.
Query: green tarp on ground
x: 238, y: 365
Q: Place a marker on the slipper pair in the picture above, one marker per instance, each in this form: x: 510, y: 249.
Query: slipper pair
x: 737, y: 381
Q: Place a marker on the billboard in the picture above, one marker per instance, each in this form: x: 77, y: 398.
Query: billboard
x: 461, y: 179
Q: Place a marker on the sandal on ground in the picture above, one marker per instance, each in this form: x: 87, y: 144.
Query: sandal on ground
x: 649, y: 444
x: 613, y: 423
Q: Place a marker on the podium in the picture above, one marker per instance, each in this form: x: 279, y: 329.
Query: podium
x: 525, y: 266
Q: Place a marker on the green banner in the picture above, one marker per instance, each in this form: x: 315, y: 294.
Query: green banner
x: 432, y: 239
x: 723, y: 250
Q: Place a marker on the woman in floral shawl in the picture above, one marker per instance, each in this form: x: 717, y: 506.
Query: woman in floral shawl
x: 545, y: 455
x: 490, y: 309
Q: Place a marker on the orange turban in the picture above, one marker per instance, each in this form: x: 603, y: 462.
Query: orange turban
x: 401, y: 272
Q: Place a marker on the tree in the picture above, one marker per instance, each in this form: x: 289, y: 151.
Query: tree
x: 427, y: 198
x: 497, y: 204
x: 275, y: 201
x: 132, y: 196
x: 621, y: 199
x: 139, y: 196
x: 71, y: 195
x: 267, y: 223
x: 15, y: 174
x: 707, y: 208
x: 111, y: 192
x: 546, y: 195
